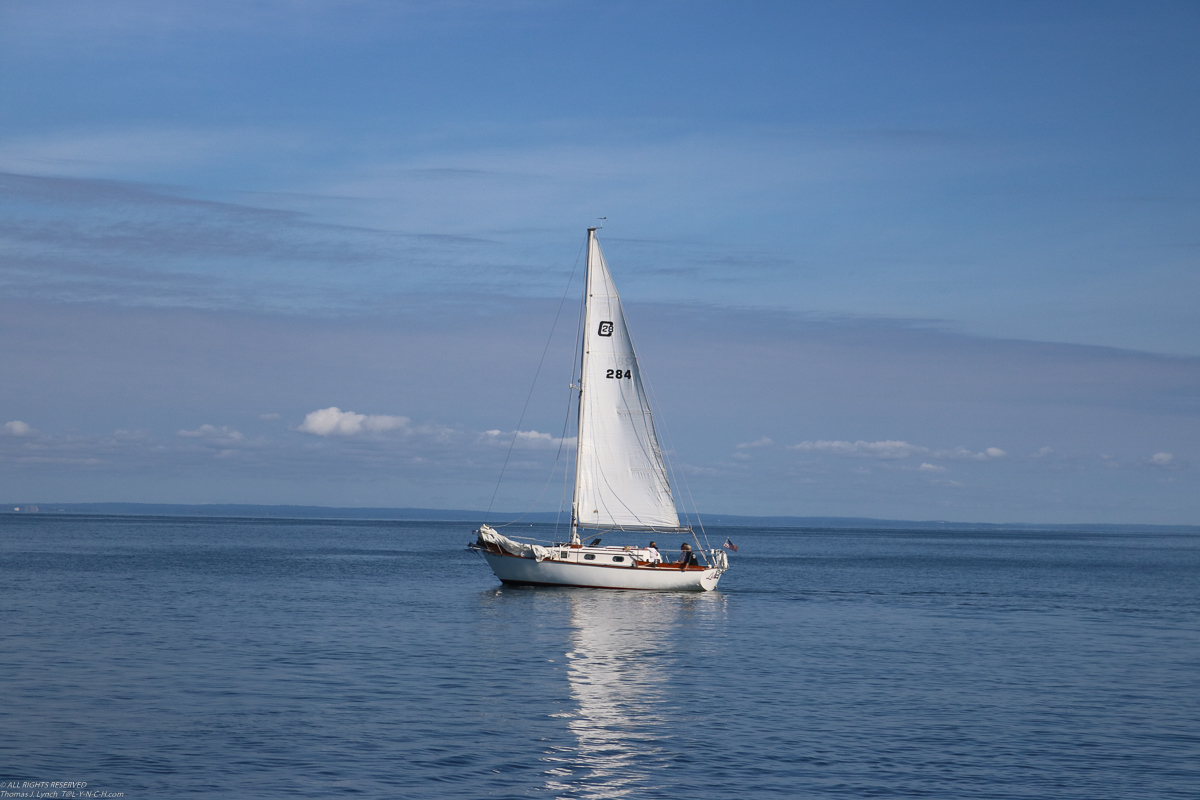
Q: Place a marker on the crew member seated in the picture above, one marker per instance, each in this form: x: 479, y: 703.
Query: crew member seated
x: 652, y: 554
x: 687, y: 558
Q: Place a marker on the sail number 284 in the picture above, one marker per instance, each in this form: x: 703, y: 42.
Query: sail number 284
x: 619, y: 373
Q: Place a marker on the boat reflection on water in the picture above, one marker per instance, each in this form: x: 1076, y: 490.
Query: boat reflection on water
x: 619, y: 671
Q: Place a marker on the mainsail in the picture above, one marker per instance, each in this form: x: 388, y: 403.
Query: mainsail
x: 620, y: 477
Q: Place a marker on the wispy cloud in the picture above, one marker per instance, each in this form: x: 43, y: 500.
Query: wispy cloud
x: 338, y: 444
x: 222, y: 435
x: 890, y: 449
x: 894, y: 449
x: 33, y: 450
x: 1164, y: 460
x: 526, y: 439
x: 18, y: 428
x: 84, y: 239
x: 963, y: 454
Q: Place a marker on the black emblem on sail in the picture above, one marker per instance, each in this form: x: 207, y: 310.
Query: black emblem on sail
x: 606, y: 328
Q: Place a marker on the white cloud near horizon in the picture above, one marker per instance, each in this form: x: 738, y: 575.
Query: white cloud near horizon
x: 223, y: 433
x: 333, y: 421
x: 18, y: 428
x: 886, y: 449
x: 963, y: 454
x: 347, y: 451
x: 892, y: 449
x: 526, y: 439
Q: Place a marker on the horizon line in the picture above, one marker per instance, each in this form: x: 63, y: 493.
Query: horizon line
x: 416, y: 514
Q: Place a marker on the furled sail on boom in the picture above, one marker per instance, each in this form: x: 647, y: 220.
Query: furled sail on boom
x: 620, y: 477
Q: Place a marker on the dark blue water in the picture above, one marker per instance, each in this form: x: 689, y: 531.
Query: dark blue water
x: 238, y: 658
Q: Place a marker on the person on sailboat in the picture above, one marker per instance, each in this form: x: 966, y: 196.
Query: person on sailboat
x: 687, y: 558
x: 652, y: 554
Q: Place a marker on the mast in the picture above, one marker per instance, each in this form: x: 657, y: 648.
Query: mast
x: 587, y: 269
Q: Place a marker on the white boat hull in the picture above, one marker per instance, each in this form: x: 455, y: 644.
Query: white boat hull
x: 531, y: 572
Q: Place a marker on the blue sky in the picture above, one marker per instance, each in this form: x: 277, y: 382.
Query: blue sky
x: 925, y: 260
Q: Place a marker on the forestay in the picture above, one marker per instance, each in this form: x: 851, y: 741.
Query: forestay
x: 620, y: 477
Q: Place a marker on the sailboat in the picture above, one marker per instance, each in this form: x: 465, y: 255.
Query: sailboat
x: 621, y: 482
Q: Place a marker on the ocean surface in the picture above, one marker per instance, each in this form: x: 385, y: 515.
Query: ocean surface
x: 230, y: 658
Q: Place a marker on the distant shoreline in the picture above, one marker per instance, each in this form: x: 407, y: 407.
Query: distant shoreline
x: 464, y: 515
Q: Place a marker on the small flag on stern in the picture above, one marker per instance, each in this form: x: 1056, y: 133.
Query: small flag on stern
x: 729, y: 545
